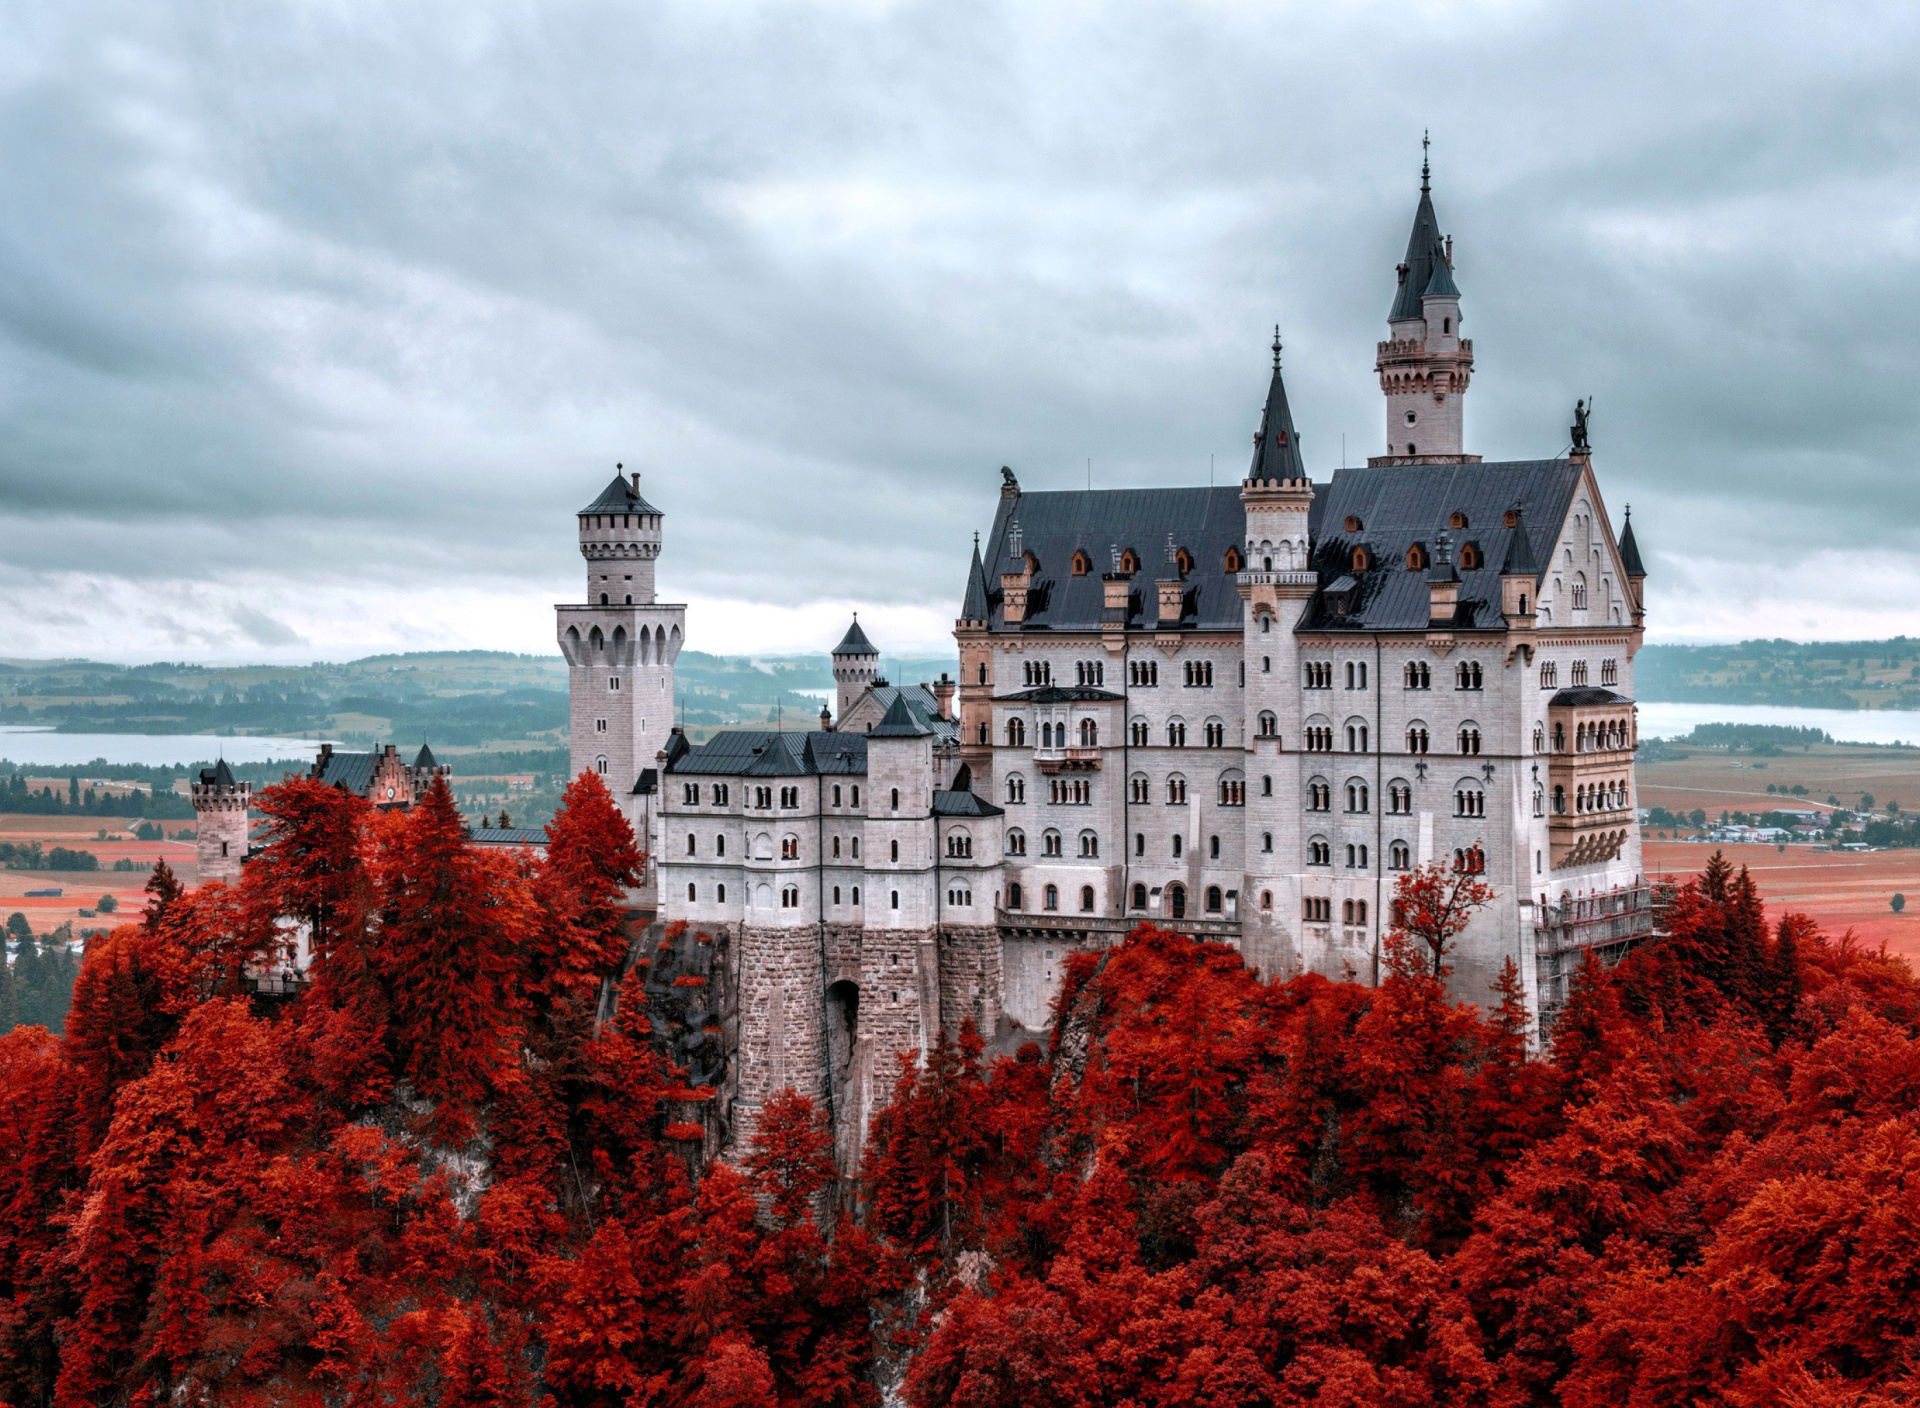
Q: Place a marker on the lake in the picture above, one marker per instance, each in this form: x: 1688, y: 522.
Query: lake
x: 1658, y: 720
x: 35, y: 747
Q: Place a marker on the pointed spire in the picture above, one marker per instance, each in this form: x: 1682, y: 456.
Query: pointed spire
x: 899, y: 722
x: 855, y: 641
x: 975, y: 606
x: 1520, y: 560
x: 1276, y: 450
x: 1426, y: 269
x: 1630, y: 550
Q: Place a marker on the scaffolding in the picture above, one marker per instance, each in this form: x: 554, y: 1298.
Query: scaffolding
x: 1608, y: 924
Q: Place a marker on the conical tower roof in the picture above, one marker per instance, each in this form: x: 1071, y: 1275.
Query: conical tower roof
x: 621, y: 496
x: 974, y: 608
x: 855, y: 641
x: 1630, y: 550
x: 1520, y: 560
x: 1276, y: 450
x: 1425, y: 269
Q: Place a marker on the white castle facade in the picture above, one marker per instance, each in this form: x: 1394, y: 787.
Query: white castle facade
x: 1243, y: 712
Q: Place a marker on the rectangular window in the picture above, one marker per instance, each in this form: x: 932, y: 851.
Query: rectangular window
x: 613, y: 683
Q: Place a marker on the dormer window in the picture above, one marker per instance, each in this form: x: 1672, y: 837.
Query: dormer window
x: 1417, y: 558
x: 1183, y: 560
x: 1081, y: 563
x: 1457, y: 520
x: 1511, y: 518
x: 1129, y: 564
x: 1362, y: 559
x: 1470, y: 556
x: 1354, y: 525
x: 1232, y: 563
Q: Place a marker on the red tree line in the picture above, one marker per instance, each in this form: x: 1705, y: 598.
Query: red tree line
x: 445, y: 1173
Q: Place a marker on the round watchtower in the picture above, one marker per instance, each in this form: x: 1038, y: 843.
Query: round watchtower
x: 221, y: 809
x: 856, y: 665
x: 620, y: 538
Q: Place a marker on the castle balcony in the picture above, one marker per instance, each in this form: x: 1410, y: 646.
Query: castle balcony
x: 1590, y: 737
x: 1057, y: 760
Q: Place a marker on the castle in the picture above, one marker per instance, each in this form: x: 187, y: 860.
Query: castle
x: 1242, y: 711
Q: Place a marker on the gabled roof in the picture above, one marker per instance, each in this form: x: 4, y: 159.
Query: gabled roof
x: 1630, y: 551
x: 1400, y: 505
x: 1425, y: 249
x: 351, y: 771
x: 1206, y: 522
x: 900, y: 722
x: 763, y: 753
x: 855, y: 641
x: 1276, y: 448
x: 620, y: 497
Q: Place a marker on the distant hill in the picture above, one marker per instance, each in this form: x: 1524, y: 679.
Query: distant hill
x: 1866, y: 674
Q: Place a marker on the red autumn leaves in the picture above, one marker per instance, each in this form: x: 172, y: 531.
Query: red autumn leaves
x: 445, y: 1173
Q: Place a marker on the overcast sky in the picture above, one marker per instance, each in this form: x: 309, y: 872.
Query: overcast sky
x: 319, y: 320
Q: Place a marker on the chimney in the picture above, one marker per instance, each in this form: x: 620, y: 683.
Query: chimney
x: 1172, y: 598
x: 636, y: 483
x: 943, y: 695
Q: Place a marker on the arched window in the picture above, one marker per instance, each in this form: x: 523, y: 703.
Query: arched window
x: 896, y: 799
x: 1139, y: 790
x: 1319, y: 795
x: 1089, y: 734
x: 1233, y: 790
x: 1419, y: 675
x: 1417, y: 558
x: 1213, y: 848
x: 983, y: 672
x: 1469, y: 740
x: 1319, y: 851
x: 1013, y: 895
x: 1176, y: 734
x: 894, y: 847
x: 1466, y: 675
x: 1016, y: 788
x: 983, y: 734
x: 1457, y: 520
x: 1357, y: 797
x: 1082, y: 564
x: 1356, y: 738
x: 1213, y: 899
x: 1052, y: 897
x: 1266, y: 899
x: 1139, y: 896
x: 1129, y: 564
x: 1216, y: 733
x: 1086, y: 899
x: 1362, y: 559
x: 1266, y: 842
x: 789, y: 848
x: 1089, y: 845
x: 690, y: 894
x: 1269, y: 724
x: 692, y: 849
x: 1399, y: 857
x: 600, y: 766
x: 1176, y: 791
x: 1470, y: 557
x: 1016, y: 843
x: 1050, y: 842
x: 1016, y: 733
x: 1177, y: 901
x: 1400, y: 798
x: 1579, y: 593
x: 1417, y: 739
x: 1233, y: 562
x: 893, y: 899
x: 1183, y: 560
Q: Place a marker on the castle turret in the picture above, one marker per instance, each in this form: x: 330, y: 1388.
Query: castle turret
x: 1425, y: 364
x: 856, y: 666
x: 221, y: 814
x: 620, y: 648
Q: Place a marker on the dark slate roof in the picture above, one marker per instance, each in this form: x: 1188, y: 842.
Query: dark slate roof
x: 508, y: 835
x: 919, y: 698
x: 1520, y: 560
x: 1061, y: 694
x: 1276, y: 448
x: 647, y: 782
x: 424, y: 758
x: 219, y: 775
x: 1586, y: 696
x: 620, y: 497
x: 963, y: 804
x: 1206, y: 522
x: 1630, y: 552
x: 1424, y: 250
x: 762, y: 753
x: 974, y: 607
x: 352, y: 771
x: 900, y: 722
x: 855, y: 642
x: 1399, y: 505
x: 1441, y: 285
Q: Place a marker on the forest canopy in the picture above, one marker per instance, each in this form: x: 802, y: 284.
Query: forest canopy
x: 456, y: 1167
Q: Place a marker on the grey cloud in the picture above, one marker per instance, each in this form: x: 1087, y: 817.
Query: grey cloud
x: 379, y: 293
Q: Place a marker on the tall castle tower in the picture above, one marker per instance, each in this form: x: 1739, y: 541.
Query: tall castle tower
x: 220, y: 832
x: 1425, y: 364
x: 620, y: 648
x: 856, y: 665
